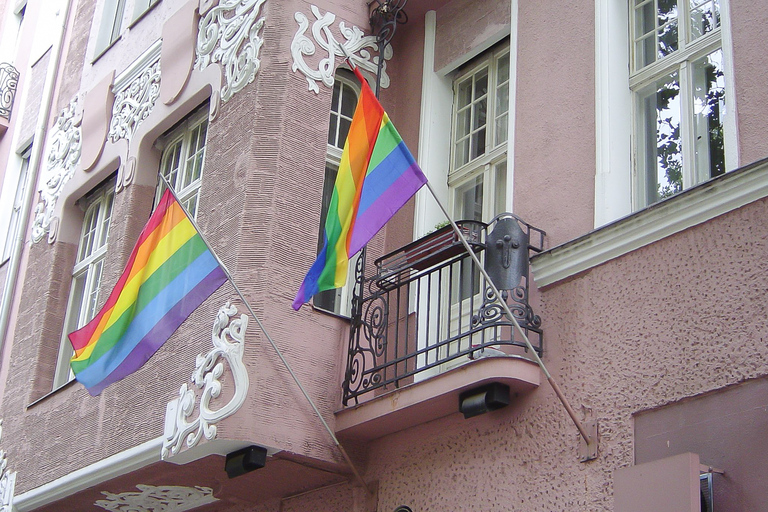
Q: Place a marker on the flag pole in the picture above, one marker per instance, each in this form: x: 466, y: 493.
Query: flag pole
x: 571, y: 412
x: 269, y: 338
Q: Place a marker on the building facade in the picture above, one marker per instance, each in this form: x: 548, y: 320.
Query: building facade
x: 606, y: 160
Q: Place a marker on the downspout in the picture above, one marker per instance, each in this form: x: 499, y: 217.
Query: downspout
x: 38, y: 145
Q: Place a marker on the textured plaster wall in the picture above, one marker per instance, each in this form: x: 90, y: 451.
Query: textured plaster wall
x: 750, y: 71
x: 555, y: 118
x: 681, y: 317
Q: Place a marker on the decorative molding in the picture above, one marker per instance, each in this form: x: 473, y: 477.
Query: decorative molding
x: 101, y: 471
x: 134, y: 101
x: 357, y: 45
x: 150, y: 498
x: 63, y: 154
x: 7, y: 481
x: 694, y: 206
x: 178, y: 429
x: 230, y: 34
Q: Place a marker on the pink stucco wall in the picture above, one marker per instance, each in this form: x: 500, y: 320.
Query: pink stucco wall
x: 681, y: 317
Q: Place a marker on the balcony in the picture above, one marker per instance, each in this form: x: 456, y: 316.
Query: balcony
x: 426, y: 326
x: 9, y: 80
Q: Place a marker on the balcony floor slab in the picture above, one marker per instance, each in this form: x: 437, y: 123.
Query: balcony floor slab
x: 433, y: 398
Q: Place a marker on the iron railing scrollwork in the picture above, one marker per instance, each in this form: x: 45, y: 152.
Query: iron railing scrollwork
x: 426, y: 308
x: 9, y: 80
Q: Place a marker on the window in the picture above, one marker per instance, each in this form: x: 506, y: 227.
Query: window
x: 111, y: 24
x: 86, y: 275
x: 14, y: 223
x: 343, y: 103
x: 678, y: 84
x: 183, y: 157
x: 477, y: 176
x: 140, y: 7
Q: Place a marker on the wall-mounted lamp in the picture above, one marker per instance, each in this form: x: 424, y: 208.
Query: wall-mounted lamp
x: 483, y: 399
x: 245, y: 460
x: 403, y: 508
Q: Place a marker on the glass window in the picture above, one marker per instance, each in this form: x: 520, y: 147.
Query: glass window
x: 477, y: 177
x: 140, y: 7
x: 86, y: 275
x: 110, y: 25
x: 343, y: 103
x: 183, y: 158
x: 678, y: 83
x: 14, y: 223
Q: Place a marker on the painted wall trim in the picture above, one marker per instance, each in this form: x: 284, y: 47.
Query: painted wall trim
x: 101, y: 471
x: 680, y: 212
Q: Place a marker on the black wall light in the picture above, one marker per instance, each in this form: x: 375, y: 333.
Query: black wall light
x: 246, y: 460
x: 403, y: 508
x: 483, y: 399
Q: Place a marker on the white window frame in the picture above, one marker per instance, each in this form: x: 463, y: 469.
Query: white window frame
x: 190, y: 157
x: 86, y: 274
x: 344, y: 81
x: 681, y: 62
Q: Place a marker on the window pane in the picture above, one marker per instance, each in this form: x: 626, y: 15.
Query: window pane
x: 464, y: 94
x: 705, y: 17
x: 659, y: 144
x: 462, y: 153
x: 668, y: 27
x: 708, y: 110
x: 348, y: 101
x: 469, y: 200
x: 104, y: 236
x: 481, y: 84
x: 500, y: 192
x: 478, y: 143
x: 88, y: 237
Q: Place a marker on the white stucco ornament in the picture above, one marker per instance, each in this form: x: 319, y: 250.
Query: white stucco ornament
x: 134, y: 102
x: 230, y: 34
x: 356, y: 44
x: 62, y: 154
x: 179, y: 429
x: 150, y: 498
x: 7, y: 481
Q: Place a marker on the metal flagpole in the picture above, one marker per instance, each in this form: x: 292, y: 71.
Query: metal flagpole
x: 555, y: 386
x: 269, y: 338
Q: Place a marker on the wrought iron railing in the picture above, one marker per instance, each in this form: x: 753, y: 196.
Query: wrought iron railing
x: 427, y: 308
x: 9, y: 79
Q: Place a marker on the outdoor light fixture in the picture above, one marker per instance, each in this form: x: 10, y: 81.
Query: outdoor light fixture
x: 403, y: 508
x: 246, y: 460
x: 483, y: 399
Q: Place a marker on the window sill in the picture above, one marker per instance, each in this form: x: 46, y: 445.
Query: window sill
x: 678, y: 213
x: 51, y: 393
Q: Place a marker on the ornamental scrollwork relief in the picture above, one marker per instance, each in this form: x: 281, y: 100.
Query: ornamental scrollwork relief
x: 7, y: 481
x: 150, y: 498
x: 230, y: 34
x: 179, y: 429
x: 63, y: 154
x: 134, y: 102
x: 357, y: 45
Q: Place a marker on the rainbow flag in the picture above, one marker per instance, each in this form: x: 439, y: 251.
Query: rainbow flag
x: 168, y: 275
x: 377, y: 176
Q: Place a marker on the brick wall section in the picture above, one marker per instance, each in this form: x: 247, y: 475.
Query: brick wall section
x: 34, y: 97
x: 74, y: 56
